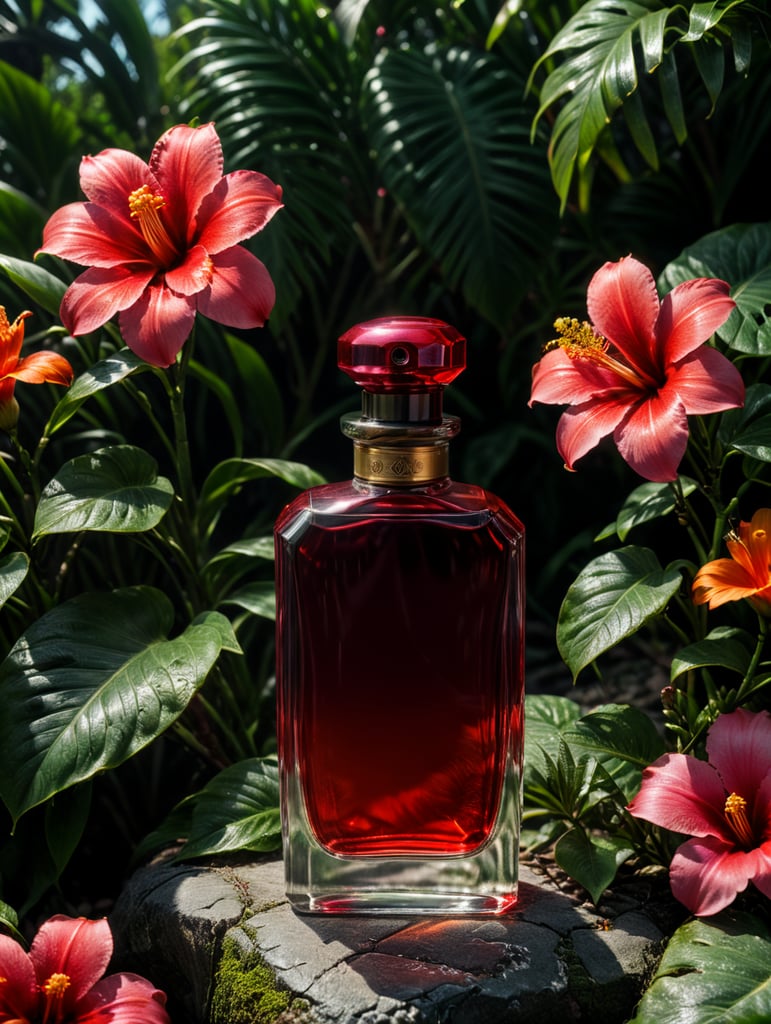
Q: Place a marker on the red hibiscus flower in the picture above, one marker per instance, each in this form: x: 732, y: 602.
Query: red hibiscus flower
x: 36, y: 368
x: 746, y: 574
x: 58, y: 981
x: 724, y: 803
x: 639, y: 369
x: 161, y: 243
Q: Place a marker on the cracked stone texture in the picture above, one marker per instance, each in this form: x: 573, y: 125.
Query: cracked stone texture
x: 553, y: 957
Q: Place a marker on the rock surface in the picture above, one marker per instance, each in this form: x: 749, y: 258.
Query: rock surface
x: 554, y: 957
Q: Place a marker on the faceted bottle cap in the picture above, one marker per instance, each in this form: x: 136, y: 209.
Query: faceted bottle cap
x: 402, y: 354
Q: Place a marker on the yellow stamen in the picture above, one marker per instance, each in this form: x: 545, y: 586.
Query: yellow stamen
x: 736, y: 816
x: 580, y: 341
x: 53, y: 990
x: 144, y: 205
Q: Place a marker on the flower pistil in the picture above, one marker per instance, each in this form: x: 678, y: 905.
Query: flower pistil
x: 144, y: 206
x: 53, y: 991
x: 580, y: 341
x: 736, y: 816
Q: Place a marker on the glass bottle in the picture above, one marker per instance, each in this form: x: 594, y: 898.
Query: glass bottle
x: 400, y: 601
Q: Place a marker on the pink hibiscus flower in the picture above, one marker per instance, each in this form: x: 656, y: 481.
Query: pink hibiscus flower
x: 161, y: 243
x: 36, y: 368
x: 724, y: 803
x: 639, y: 369
x: 58, y: 981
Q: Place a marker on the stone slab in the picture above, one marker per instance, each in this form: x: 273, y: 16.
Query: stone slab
x: 553, y: 957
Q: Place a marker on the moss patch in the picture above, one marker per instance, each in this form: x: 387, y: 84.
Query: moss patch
x: 246, y: 992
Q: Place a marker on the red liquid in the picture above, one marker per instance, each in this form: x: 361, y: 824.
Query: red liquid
x: 401, y: 682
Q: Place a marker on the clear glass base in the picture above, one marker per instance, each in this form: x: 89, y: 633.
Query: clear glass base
x: 483, y: 882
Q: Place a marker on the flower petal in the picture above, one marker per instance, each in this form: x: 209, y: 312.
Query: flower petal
x: 193, y: 274
x: 684, y: 794
x: 739, y: 747
x: 559, y: 379
x: 123, y: 999
x: 242, y: 293
x: 239, y: 206
x: 721, y: 581
x: 623, y: 305
x: 690, y: 314
x: 707, y: 382
x: 77, y: 947
x: 188, y: 164
x: 653, y: 438
x: 43, y: 367
x: 98, y: 293
x: 11, y: 340
x: 93, y: 236
x: 706, y: 874
x: 109, y: 178
x: 158, y: 325
x: 18, y: 993
x: 582, y: 428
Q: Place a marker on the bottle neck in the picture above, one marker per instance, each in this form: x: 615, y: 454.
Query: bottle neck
x: 399, y: 454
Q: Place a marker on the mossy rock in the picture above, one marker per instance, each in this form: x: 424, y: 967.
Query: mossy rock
x: 245, y: 991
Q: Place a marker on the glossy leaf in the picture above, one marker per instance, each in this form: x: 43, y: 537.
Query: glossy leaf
x: 740, y: 255
x: 593, y: 861
x: 258, y: 598
x: 606, y: 47
x: 621, y: 738
x: 36, y: 282
x: 13, y: 571
x: 748, y: 430
x: 613, y: 597
x: 115, y: 489
x: 712, y: 970
x: 237, y: 810
x: 229, y: 476
x: 647, y: 502
x: 452, y: 143
x: 101, y: 375
x: 93, y: 681
x: 236, y: 560
x: 724, y: 647
x: 546, y: 715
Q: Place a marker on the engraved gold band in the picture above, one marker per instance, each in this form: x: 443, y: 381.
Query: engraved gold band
x: 413, y: 465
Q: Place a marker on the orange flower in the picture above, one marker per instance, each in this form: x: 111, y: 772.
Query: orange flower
x: 746, y: 574
x: 36, y: 368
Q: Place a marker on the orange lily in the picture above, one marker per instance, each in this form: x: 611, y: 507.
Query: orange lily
x: 36, y: 368
x: 746, y: 574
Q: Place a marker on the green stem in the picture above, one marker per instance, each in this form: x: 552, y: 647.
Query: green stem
x: 746, y: 685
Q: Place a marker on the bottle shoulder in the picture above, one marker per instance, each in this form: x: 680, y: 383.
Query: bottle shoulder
x: 353, y: 500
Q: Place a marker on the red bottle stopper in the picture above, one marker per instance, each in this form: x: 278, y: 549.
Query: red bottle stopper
x: 402, y: 353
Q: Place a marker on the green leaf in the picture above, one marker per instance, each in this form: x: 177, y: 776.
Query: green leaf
x: 451, y: 138
x: 724, y: 647
x: 649, y: 501
x: 599, y: 74
x: 101, y: 375
x: 621, y: 738
x: 741, y: 255
x: 258, y: 598
x: 266, y: 402
x: 233, y: 562
x: 613, y: 597
x: 237, y: 810
x: 115, y: 489
x: 40, y: 285
x: 546, y: 715
x: 712, y: 971
x: 228, y: 477
x: 592, y: 861
x: 92, y: 682
x: 13, y: 570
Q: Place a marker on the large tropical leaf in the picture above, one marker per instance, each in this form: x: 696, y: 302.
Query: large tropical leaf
x: 712, y: 971
x: 606, y: 49
x: 450, y: 134
x: 740, y: 255
x: 92, y: 682
x: 276, y: 79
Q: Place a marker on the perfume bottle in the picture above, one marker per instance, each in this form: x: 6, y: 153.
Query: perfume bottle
x: 400, y: 600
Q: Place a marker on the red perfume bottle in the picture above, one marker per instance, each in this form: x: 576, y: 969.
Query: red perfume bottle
x: 400, y: 600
